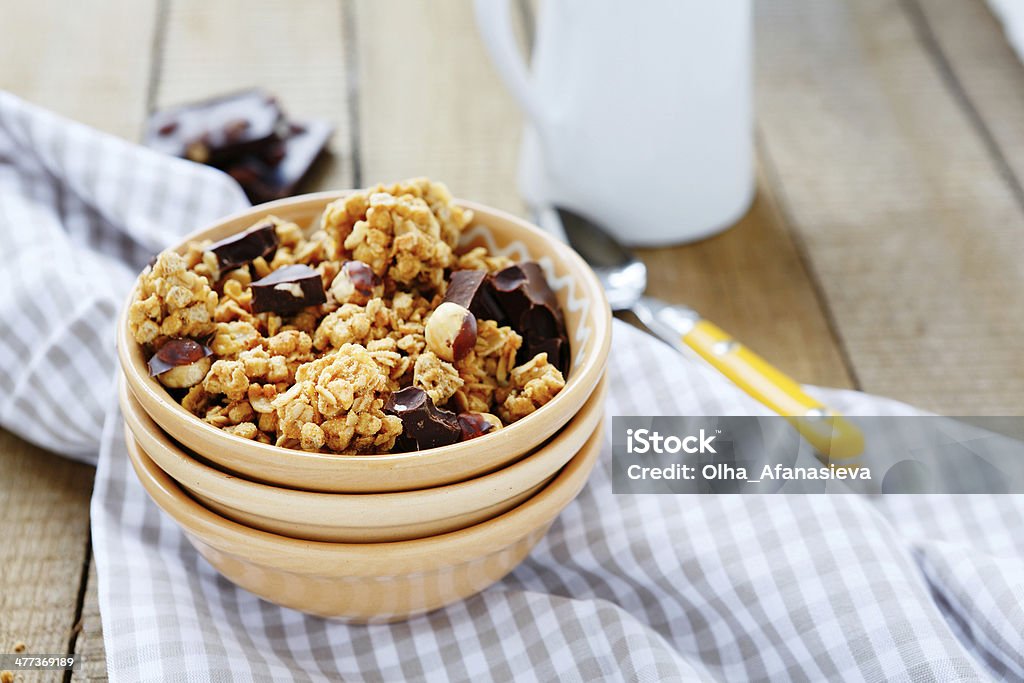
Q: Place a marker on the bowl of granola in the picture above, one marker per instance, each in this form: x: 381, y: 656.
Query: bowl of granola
x: 368, y: 582
x: 371, y: 341
x: 362, y: 517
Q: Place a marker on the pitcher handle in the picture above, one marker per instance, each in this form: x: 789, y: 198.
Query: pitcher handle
x: 494, y: 21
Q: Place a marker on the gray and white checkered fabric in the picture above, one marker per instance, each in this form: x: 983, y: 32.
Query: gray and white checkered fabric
x: 642, y: 588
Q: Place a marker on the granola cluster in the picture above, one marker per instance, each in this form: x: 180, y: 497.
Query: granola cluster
x: 172, y: 301
x: 350, y: 336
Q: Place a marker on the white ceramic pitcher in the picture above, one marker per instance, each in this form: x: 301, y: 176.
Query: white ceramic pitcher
x: 639, y: 111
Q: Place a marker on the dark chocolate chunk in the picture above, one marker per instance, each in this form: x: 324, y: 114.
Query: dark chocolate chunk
x: 423, y: 422
x: 288, y: 290
x: 243, y: 248
x: 474, y: 425
x: 278, y: 169
x: 218, y: 130
x: 472, y: 289
x: 464, y: 287
x: 404, y: 444
x: 174, y: 353
x: 532, y: 309
x: 557, y: 349
x: 523, y: 286
x: 541, y: 322
x: 235, y: 130
x: 274, y: 153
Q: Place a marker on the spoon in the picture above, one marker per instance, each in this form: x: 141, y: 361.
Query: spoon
x: 624, y: 278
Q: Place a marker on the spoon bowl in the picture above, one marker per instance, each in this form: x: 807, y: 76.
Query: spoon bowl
x: 621, y: 273
x: 624, y: 278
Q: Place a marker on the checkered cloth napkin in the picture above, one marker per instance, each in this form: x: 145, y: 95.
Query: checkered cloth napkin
x: 644, y: 588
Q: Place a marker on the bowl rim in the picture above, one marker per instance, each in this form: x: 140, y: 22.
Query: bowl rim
x: 580, y: 380
x: 351, y: 509
x: 366, y: 559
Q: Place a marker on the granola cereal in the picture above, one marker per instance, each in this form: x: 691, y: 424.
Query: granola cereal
x: 438, y: 378
x: 315, y: 368
x: 532, y: 385
x: 479, y: 259
x: 172, y: 301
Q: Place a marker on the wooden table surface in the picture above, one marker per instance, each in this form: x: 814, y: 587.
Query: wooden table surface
x: 883, y: 251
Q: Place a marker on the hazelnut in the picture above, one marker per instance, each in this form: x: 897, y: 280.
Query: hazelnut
x: 185, y: 376
x: 356, y: 283
x: 450, y: 331
x: 180, y: 363
x: 477, y: 424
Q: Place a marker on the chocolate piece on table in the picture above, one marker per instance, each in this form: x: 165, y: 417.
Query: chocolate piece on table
x: 243, y: 248
x: 423, y: 422
x: 288, y: 290
x: 276, y: 171
x: 218, y: 130
x: 472, y: 289
x: 175, y: 353
x: 246, y: 135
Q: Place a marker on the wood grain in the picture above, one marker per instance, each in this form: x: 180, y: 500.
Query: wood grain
x: 430, y: 102
x: 911, y: 229
x: 77, y: 59
x: 89, y: 644
x: 45, y: 531
x: 968, y: 44
x: 295, y: 51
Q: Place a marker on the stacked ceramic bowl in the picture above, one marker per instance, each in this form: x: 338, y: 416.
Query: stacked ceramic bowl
x: 381, y: 537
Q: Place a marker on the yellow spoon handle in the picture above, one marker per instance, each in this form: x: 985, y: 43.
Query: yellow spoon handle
x: 831, y: 435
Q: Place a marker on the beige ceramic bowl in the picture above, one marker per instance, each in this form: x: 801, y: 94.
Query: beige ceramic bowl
x: 588, y: 319
x: 368, y: 581
x: 363, y: 517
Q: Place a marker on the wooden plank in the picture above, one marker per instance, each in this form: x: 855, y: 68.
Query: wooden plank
x: 89, y: 644
x: 296, y: 51
x: 77, y: 59
x: 911, y: 229
x: 45, y: 531
x: 431, y: 103
x: 969, y: 44
x: 751, y: 281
